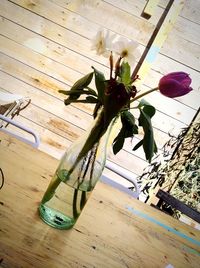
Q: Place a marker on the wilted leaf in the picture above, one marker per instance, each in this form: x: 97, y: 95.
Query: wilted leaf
x: 77, y: 89
x: 83, y: 82
x: 148, y: 142
x: 140, y: 143
x: 87, y: 100
x: 81, y: 92
x: 147, y: 108
x: 129, y: 128
x: 96, y: 108
x: 91, y: 99
x: 118, y: 142
x: 128, y: 122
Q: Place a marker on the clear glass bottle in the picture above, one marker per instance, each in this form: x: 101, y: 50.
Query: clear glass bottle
x: 75, y: 177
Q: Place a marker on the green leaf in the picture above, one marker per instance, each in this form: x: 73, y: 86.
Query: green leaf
x: 155, y: 147
x: 81, y: 92
x: 83, y: 82
x: 125, y: 73
x: 118, y: 142
x: 128, y: 122
x: 100, y: 84
x: 143, y: 102
x: 148, y: 140
x: 129, y: 128
x: 87, y: 100
x: 92, y: 91
x: 140, y: 143
x: 76, y: 90
x: 91, y: 99
x: 147, y: 111
x: 147, y: 108
x: 96, y: 108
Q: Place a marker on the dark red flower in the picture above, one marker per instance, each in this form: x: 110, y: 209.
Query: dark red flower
x: 175, y: 84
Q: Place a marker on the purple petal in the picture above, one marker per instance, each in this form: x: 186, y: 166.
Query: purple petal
x: 178, y: 76
x: 172, y: 88
x: 187, y: 81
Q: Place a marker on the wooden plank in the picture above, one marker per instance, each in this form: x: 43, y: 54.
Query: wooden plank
x: 46, y: 102
x: 74, y: 64
x: 135, y: 8
x: 189, y: 16
x: 87, y: 10
x: 53, y: 31
x: 79, y: 68
x: 31, y: 79
x: 158, y: 37
x: 140, y: 242
x: 50, y: 142
x: 186, y: 27
x: 86, y: 13
x: 100, y: 13
x: 50, y: 85
x: 184, y: 113
x: 149, y: 8
x: 55, y: 134
x: 191, y: 10
x: 43, y: 82
x: 9, y: 83
x: 46, y: 28
x: 53, y: 123
x: 69, y: 39
x: 59, y: 125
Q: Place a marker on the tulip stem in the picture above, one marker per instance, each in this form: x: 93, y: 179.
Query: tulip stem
x: 143, y: 94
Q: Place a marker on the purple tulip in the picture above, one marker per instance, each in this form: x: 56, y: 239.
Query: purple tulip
x: 175, y: 84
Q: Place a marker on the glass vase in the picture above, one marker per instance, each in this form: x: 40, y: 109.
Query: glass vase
x: 77, y: 174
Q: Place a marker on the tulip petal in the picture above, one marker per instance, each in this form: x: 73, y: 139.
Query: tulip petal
x: 172, y: 88
x: 178, y: 76
x: 187, y: 81
x: 175, y: 84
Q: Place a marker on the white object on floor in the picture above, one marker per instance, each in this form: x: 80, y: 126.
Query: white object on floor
x: 6, y: 98
x: 11, y: 105
x: 123, y: 173
x: 18, y: 125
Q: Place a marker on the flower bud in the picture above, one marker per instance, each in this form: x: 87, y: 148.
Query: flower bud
x: 175, y: 84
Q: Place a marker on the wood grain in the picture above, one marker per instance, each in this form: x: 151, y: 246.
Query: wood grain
x: 45, y: 46
x: 117, y: 238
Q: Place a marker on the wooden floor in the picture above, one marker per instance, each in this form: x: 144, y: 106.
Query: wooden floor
x: 45, y: 46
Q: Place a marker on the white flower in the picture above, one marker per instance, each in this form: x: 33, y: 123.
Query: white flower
x: 127, y: 49
x: 103, y: 43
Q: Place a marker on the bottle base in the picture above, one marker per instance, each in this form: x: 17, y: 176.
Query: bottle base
x: 54, y: 218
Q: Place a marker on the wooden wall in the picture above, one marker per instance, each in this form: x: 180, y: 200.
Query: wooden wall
x: 45, y: 46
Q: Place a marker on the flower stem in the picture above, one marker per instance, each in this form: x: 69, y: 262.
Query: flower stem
x: 96, y: 133
x: 143, y: 94
x: 83, y: 200
x: 75, y: 213
x: 51, y: 189
x: 111, y: 65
